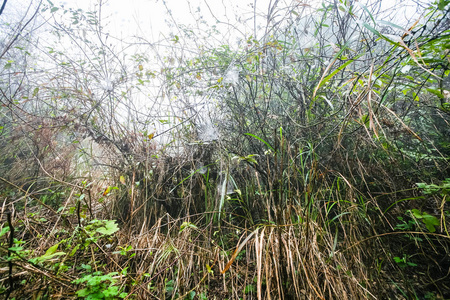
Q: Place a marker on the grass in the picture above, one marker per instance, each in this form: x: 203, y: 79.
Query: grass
x: 306, y: 233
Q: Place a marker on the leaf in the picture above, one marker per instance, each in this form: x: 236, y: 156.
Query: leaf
x: 430, y: 221
x: 110, y: 227
x: 141, y: 68
x: 327, y: 78
x: 151, y: 135
x: 191, y: 295
x: 430, y: 227
x: 111, y: 291
x: 417, y: 213
x: 47, y: 257
x: 208, y: 268
x: 260, y: 139
x: 74, y: 250
x: 107, y: 191
x: 83, y: 293
x: 54, y: 9
x: 49, y: 254
x: 398, y: 259
x: 35, y: 92
x: 15, y: 248
x: 4, y: 230
x: 51, y: 250
x: 442, y: 4
x: 371, y: 29
x: 122, y: 179
x: 187, y: 225
x: 367, y: 11
x: 392, y: 25
x: 436, y: 92
x: 238, y: 249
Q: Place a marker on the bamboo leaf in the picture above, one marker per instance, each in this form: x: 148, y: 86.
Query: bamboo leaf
x: 332, y: 74
x: 261, y: 140
x: 367, y: 11
x: 238, y: 249
x: 392, y: 25
x: 371, y: 29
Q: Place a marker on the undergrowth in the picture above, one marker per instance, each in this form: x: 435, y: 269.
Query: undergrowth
x: 317, y: 168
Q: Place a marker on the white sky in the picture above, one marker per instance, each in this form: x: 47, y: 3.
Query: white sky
x: 125, y: 19
x: 146, y: 18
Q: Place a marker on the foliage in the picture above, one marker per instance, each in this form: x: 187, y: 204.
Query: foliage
x: 433, y: 189
x: 99, y: 286
x: 307, y: 159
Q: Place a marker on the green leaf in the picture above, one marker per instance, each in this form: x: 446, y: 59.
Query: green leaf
x: 15, y: 248
x: 4, y: 230
x: 417, y: 213
x: 260, y: 139
x: 436, y: 92
x: 442, y: 4
x: 109, y: 227
x: 47, y: 257
x: 111, y: 291
x: 191, y: 295
x: 83, y: 293
x: 430, y: 227
x: 367, y: 11
x: 51, y: 250
x: 332, y: 74
x: 35, y: 92
x: 371, y: 29
x: 208, y: 268
x: 398, y: 259
x: 187, y: 225
x: 421, y: 185
x: 430, y: 221
x: 54, y: 9
x: 391, y: 25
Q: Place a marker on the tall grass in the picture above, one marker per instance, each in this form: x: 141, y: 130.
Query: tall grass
x: 301, y: 231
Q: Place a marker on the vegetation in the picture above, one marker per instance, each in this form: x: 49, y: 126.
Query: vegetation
x: 309, y: 159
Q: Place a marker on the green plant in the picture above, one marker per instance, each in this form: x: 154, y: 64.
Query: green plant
x: 405, y: 225
x: 250, y: 288
x: 125, y: 251
x: 429, y: 220
x: 430, y: 296
x: 99, y: 286
x: 404, y: 261
x: 432, y: 189
x: 169, y: 287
